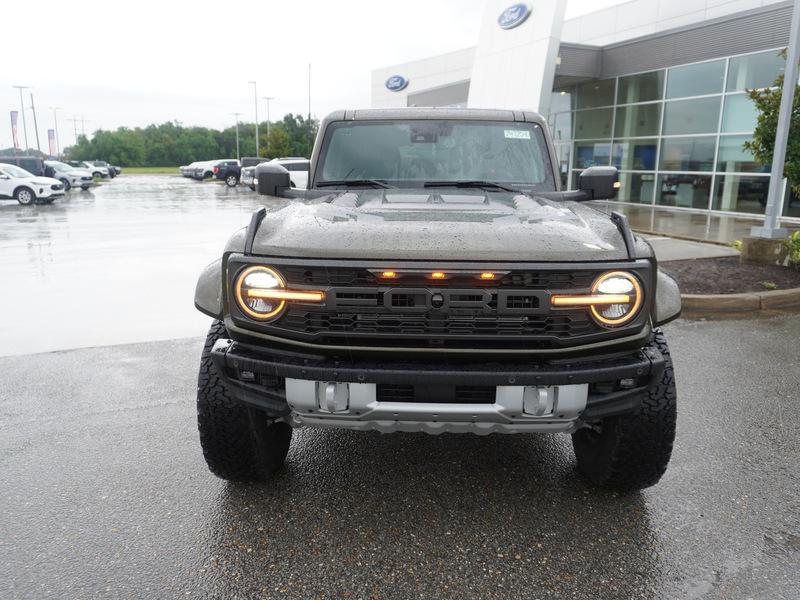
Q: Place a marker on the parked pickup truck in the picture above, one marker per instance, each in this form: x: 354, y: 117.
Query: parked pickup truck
x: 297, y: 167
x: 434, y: 277
x: 231, y: 173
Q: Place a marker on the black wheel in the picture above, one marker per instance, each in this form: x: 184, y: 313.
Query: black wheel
x: 97, y: 174
x: 85, y: 187
x: 632, y: 451
x: 67, y: 184
x: 231, y: 181
x: 25, y: 196
x: 252, y: 187
x: 239, y: 443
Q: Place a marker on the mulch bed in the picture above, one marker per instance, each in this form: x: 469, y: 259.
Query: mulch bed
x: 729, y: 276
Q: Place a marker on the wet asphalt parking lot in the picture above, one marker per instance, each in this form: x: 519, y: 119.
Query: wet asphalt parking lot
x: 104, y: 492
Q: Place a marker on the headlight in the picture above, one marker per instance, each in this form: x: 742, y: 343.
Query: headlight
x: 615, y: 298
x: 617, y: 284
x: 261, y: 293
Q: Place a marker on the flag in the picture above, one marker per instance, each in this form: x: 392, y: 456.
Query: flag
x: 14, y: 115
x: 51, y: 137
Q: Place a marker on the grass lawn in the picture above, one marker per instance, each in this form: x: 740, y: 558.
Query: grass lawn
x: 150, y: 171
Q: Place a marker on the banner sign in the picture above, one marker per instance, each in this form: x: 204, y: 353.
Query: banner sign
x: 14, y: 115
x: 51, y: 138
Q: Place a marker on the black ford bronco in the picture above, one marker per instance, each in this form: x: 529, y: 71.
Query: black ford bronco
x: 433, y: 277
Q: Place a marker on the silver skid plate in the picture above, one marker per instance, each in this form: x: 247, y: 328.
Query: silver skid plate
x: 515, y: 409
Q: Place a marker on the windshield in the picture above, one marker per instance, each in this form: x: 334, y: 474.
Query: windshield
x: 59, y: 166
x: 414, y: 152
x: 15, y: 171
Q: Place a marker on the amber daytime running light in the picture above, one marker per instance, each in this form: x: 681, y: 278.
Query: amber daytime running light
x: 261, y: 293
x: 615, y: 298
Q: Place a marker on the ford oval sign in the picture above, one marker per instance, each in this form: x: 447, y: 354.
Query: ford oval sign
x: 514, y: 15
x: 395, y: 83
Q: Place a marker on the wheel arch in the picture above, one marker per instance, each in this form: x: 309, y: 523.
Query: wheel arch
x: 208, y: 292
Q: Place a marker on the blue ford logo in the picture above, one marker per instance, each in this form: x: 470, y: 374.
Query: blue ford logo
x: 514, y: 15
x: 395, y: 83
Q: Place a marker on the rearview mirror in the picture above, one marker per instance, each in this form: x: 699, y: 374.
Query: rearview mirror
x: 271, y: 179
x: 599, y: 183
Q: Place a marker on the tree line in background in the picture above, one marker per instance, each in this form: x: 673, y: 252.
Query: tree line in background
x: 172, y: 144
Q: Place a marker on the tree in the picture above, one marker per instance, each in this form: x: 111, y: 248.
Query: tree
x: 768, y: 104
x: 279, y: 141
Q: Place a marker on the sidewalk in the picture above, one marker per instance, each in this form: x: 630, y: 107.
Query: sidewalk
x: 715, y: 228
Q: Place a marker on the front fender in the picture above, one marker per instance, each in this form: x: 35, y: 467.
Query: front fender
x: 208, y: 292
x: 668, y: 299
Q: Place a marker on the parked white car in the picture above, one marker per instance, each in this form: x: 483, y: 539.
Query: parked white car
x: 298, y: 170
x: 93, y: 169
x: 26, y: 188
x: 69, y: 176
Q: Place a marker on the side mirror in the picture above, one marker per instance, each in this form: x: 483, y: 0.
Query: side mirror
x: 599, y: 183
x: 271, y: 179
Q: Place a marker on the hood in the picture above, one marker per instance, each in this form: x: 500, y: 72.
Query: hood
x: 45, y: 181
x: 415, y: 225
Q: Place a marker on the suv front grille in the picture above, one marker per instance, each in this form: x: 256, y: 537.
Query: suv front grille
x: 461, y: 394
x: 510, y: 312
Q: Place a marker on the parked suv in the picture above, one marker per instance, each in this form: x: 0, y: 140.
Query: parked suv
x: 68, y: 175
x: 27, y: 188
x: 32, y: 164
x: 113, y: 170
x: 91, y: 167
x: 434, y: 278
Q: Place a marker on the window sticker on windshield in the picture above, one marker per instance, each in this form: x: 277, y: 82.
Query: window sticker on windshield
x: 518, y: 134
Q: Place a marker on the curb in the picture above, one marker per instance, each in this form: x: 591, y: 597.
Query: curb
x: 726, y: 306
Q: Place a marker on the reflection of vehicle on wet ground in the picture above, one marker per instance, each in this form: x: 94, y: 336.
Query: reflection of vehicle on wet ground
x: 93, y: 169
x: 27, y: 188
x: 434, y: 278
x: 32, y: 164
x: 68, y: 175
x: 297, y: 167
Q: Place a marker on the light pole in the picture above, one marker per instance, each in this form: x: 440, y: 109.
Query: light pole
x: 237, y: 115
x: 35, y: 124
x: 55, y: 110
x: 775, y: 197
x: 255, y: 102
x: 268, y: 98
x: 22, y: 108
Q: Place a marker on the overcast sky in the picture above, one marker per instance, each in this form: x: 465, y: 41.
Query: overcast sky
x: 133, y: 63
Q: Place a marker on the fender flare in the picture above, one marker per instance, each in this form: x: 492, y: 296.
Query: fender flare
x: 668, y: 300
x: 208, y: 292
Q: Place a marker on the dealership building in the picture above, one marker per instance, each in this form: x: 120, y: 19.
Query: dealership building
x: 656, y: 88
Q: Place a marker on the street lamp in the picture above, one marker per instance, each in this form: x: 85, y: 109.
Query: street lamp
x: 237, y: 115
x: 268, y: 98
x: 255, y: 102
x: 55, y: 120
x: 22, y: 109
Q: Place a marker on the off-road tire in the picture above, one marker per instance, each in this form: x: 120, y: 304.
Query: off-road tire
x: 239, y: 443
x: 25, y: 196
x: 631, y: 452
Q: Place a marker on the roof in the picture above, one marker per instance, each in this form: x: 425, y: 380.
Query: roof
x: 477, y: 114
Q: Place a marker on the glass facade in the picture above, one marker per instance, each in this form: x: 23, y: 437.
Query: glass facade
x: 677, y: 135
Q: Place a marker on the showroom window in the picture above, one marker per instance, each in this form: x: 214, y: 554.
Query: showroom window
x: 739, y: 114
x: 698, y: 115
x: 688, y: 153
x: 596, y: 93
x: 637, y: 120
x: 696, y: 80
x: 644, y: 87
x: 754, y: 71
x: 676, y: 135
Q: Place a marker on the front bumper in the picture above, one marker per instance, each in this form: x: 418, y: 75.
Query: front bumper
x: 294, y: 385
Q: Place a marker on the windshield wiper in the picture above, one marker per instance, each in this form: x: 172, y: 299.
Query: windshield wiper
x: 376, y: 183
x: 471, y: 184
